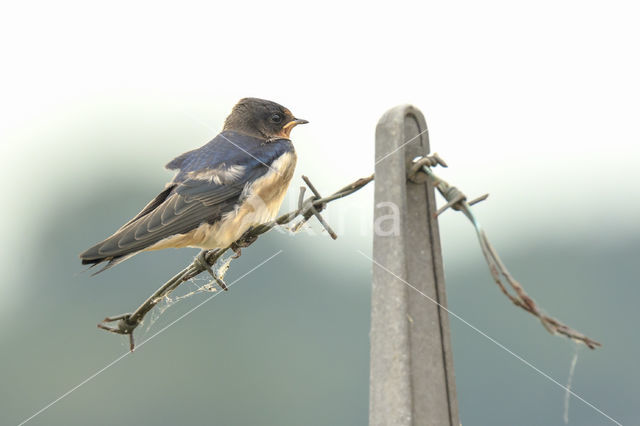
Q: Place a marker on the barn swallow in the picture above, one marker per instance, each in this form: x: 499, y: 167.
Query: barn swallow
x: 236, y: 181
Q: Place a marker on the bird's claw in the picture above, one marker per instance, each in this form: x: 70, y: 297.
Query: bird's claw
x: 245, y: 241
x: 237, y: 250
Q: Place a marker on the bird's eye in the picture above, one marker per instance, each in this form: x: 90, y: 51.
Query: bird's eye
x: 276, y: 118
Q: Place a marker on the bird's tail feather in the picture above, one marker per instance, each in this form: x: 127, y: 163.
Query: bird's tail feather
x: 93, y: 258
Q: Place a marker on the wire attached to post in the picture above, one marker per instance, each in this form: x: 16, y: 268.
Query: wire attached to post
x: 457, y: 200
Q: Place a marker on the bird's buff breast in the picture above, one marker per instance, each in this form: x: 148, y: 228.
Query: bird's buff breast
x: 265, y: 196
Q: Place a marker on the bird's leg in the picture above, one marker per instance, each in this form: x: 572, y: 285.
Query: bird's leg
x: 244, y: 241
x: 201, y: 259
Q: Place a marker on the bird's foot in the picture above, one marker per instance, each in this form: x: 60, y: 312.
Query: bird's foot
x: 201, y: 260
x: 244, y: 241
x: 237, y: 250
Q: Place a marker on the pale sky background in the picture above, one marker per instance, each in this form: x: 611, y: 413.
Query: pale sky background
x: 536, y: 103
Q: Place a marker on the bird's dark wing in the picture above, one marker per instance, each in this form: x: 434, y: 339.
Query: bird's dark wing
x: 199, y: 193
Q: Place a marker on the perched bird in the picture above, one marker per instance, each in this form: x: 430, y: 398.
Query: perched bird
x: 222, y: 189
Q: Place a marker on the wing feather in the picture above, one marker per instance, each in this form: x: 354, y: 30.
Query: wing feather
x: 188, y: 205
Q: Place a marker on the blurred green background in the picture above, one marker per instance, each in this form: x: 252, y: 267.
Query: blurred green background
x: 97, y: 98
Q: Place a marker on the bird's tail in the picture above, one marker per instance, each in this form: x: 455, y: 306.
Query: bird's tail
x: 93, y: 257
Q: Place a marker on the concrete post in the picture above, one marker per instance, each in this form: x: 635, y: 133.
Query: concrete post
x: 412, y: 380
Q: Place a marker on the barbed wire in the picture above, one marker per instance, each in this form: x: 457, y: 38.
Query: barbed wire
x: 457, y: 200
x: 419, y: 172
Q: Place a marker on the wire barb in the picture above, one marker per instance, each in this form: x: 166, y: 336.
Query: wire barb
x: 309, y: 208
x: 201, y: 259
x: 123, y: 326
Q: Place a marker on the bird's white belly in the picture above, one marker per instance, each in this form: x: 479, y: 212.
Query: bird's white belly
x: 262, y: 205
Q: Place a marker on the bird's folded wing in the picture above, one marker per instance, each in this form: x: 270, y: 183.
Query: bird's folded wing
x: 185, y: 206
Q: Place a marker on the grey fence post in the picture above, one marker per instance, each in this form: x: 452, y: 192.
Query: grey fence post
x: 412, y: 380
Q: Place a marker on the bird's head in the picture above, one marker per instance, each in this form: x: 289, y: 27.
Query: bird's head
x: 261, y: 118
